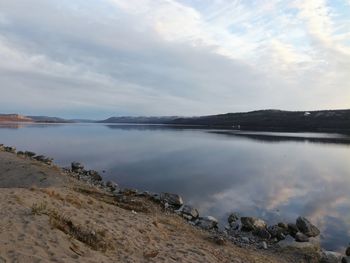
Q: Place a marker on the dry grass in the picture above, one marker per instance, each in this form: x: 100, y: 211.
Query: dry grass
x: 95, y: 238
x: 128, y: 203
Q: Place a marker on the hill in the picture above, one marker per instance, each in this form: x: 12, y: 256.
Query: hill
x: 14, y: 118
x: 140, y: 120
x: 21, y: 118
x: 326, y: 120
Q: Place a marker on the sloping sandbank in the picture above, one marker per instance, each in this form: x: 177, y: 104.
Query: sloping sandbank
x: 49, y: 216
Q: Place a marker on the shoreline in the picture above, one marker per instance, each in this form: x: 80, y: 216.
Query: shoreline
x: 244, y: 232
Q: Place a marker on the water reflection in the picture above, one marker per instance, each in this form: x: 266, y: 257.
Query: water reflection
x: 217, y: 171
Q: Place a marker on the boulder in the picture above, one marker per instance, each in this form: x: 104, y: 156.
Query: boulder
x: 218, y: 239
x: 263, y: 245
x: 306, y: 227
x: 43, y: 159
x: 292, y: 229
x: 233, y: 218
x: 345, y: 259
x: 262, y: 233
x: 207, y: 222
x: 300, y: 237
x: 283, y: 226
x: 94, y: 175
x: 278, y: 232
x: 252, y: 223
x: 77, y: 167
x: 10, y: 149
x: 29, y: 154
x: 311, y: 248
x: 190, y: 211
x: 330, y: 257
x: 347, y: 251
x: 112, y: 186
x: 171, y: 199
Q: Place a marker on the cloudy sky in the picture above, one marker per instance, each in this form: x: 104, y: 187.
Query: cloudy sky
x: 97, y: 58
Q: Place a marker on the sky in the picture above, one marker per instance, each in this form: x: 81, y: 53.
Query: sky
x: 101, y: 58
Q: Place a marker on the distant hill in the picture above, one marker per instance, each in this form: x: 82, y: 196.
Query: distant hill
x: 47, y: 119
x: 264, y: 120
x: 21, y: 118
x: 326, y: 120
x: 14, y: 118
x: 140, y: 120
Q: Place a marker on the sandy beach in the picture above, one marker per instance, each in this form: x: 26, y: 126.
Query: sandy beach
x: 48, y: 216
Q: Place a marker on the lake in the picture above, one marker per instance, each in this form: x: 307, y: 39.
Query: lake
x: 274, y: 176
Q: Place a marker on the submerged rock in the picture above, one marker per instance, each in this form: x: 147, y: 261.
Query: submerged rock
x: 171, y: 199
x: 207, y: 222
x: 306, y: 227
x: 252, y: 223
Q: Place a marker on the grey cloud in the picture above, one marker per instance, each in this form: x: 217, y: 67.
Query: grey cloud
x: 116, y: 62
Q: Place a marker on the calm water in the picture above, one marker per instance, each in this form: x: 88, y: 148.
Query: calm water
x: 274, y: 176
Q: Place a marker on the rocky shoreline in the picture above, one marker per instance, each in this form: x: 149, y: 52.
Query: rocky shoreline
x: 253, y: 232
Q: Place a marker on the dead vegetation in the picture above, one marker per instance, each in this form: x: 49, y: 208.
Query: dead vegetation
x: 97, y: 239
x: 128, y: 202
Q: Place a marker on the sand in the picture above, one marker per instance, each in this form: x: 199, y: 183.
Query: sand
x: 47, y: 216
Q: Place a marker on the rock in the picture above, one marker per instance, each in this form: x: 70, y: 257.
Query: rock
x: 347, y: 251
x: 207, y: 222
x: 300, y: 237
x: 283, y: 225
x: 306, y: 227
x: 94, y: 175
x: 245, y: 240
x: 29, y: 154
x: 233, y: 218
x: 345, y: 259
x: 262, y: 233
x: 264, y: 245
x: 252, y: 223
x: 277, y: 231
x: 330, y: 257
x: 43, y: 159
x: 155, y: 197
x: 10, y: 149
x: 234, y: 226
x: 293, y: 229
x: 190, y: 211
x: 218, y: 239
x: 302, y: 247
x: 112, y: 186
x: 77, y: 167
x: 171, y: 199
